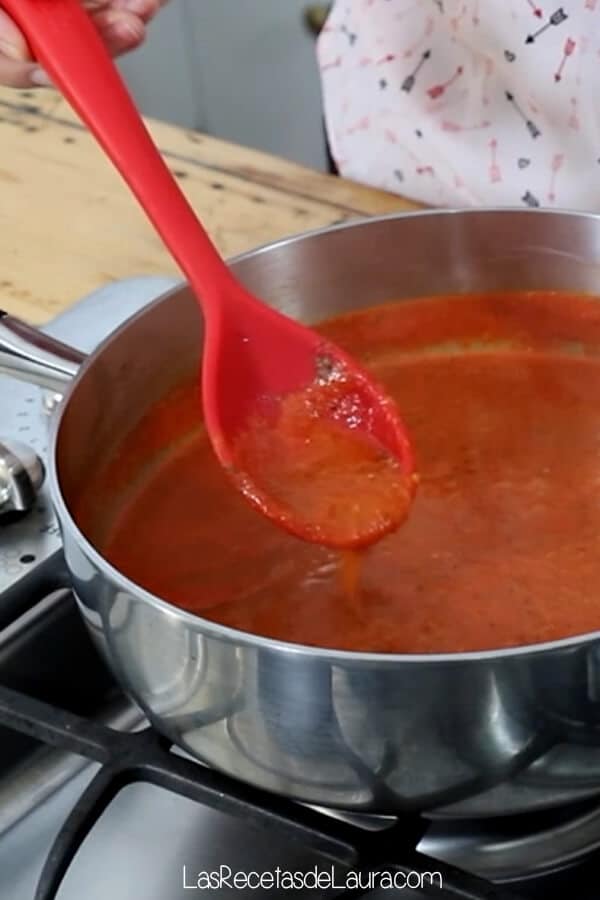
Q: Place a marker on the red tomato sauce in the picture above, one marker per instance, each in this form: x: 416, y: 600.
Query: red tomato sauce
x: 501, y: 397
x: 316, y: 469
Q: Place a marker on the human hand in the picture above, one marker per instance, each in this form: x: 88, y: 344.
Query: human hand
x: 121, y: 23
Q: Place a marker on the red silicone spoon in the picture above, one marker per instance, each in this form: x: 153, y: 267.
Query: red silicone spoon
x: 252, y: 353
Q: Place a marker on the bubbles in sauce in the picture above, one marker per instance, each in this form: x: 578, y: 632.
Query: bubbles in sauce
x: 502, y: 544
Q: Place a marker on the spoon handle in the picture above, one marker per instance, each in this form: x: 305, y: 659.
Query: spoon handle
x: 65, y: 42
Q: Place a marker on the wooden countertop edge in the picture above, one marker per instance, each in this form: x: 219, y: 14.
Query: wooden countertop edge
x: 223, y: 157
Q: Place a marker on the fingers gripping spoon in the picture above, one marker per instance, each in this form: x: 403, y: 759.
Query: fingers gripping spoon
x: 254, y: 357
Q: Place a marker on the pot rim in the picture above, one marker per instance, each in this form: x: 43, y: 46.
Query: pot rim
x: 222, y: 632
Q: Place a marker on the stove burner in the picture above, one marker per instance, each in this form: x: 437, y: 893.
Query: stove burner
x: 146, y: 756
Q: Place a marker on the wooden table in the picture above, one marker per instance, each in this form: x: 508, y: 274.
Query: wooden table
x: 68, y: 224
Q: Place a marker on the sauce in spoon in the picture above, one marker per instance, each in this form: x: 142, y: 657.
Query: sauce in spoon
x: 317, y: 465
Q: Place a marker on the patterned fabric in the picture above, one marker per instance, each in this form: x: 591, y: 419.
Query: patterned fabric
x: 466, y: 102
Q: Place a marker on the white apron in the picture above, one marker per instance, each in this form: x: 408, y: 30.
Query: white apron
x: 466, y: 102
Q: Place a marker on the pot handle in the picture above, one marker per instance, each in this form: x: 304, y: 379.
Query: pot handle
x: 30, y: 355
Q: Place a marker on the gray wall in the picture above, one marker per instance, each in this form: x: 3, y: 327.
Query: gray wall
x: 244, y: 70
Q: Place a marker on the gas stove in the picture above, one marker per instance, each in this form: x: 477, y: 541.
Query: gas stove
x: 94, y: 804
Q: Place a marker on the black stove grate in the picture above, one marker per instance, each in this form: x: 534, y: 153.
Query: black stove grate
x: 145, y: 756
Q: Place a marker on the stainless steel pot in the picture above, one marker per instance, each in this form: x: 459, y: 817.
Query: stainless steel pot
x: 452, y: 735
